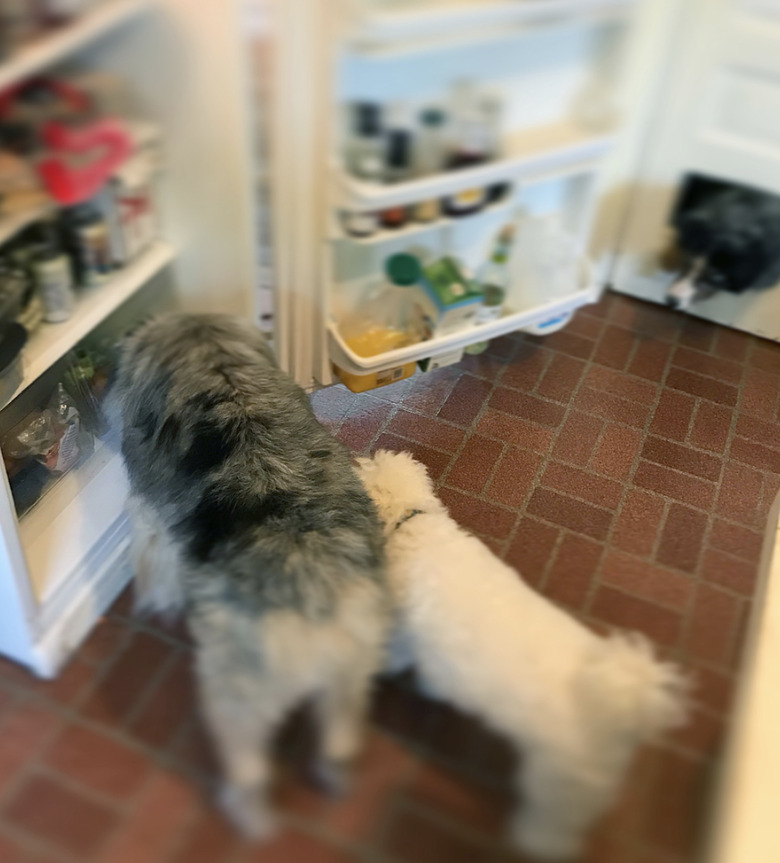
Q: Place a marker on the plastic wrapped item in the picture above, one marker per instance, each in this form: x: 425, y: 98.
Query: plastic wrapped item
x: 386, y: 318
x: 46, y: 444
x: 53, y: 436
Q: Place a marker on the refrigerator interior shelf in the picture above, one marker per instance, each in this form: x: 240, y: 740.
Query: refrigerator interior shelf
x: 50, y: 342
x: 526, y: 309
x: 53, y: 47
x: 421, y: 25
x: 556, y: 150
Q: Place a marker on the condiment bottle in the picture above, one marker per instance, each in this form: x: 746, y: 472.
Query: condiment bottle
x: 90, y: 242
x: 495, y: 278
x: 398, y: 170
x: 429, y: 158
x: 367, y: 145
x: 54, y: 283
x: 365, y: 159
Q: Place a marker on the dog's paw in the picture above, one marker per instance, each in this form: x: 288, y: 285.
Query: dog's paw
x: 333, y: 777
x: 544, y: 842
x: 248, y: 811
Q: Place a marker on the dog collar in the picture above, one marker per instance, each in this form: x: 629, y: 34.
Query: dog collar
x: 409, y: 515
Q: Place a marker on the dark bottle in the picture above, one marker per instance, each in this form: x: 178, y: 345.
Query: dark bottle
x: 472, y: 150
x: 399, y: 168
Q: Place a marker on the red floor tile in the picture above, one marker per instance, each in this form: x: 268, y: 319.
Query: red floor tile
x: 611, y: 407
x: 117, y: 694
x: 151, y: 829
x: 578, y: 438
x: 571, y: 575
x: 528, y: 407
x: 737, y: 540
x: 637, y: 526
x: 478, y: 515
x: 582, y: 484
x: 415, y: 838
x: 725, y: 370
x: 426, y: 430
x: 614, y: 347
x: 567, y: 512
x: 26, y: 729
x: 292, y: 846
x: 682, y: 537
x: 673, y: 415
x: 711, y: 427
x: 210, y: 840
x: 674, y: 484
x: 473, y: 467
x: 629, y: 612
x: 58, y: 815
x: 728, y: 571
x: 514, y: 476
x: 616, y: 451
x: 443, y: 793
x: 650, y: 359
x: 678, y: 457
x: 171, y: 701
x: 362, y: 422
x: 561, y: 378
x: 620, y: 384
x: 713, y: 624
x: 657, y: 584
x: 706, y: 388
x: 382, y: 771
x: 531, y: 549
x: 465, y: 401
x: 97, y: 762
x: 523, y: 433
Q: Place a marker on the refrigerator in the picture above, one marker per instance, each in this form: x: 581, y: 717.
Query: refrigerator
x: 604, y: 105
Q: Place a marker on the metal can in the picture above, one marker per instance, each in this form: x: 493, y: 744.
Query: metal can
x: 54, y: 283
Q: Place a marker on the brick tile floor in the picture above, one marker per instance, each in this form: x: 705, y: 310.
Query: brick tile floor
x: 625, y: 466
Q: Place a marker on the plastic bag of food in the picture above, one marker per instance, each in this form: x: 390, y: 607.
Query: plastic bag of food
x: 53, y: 436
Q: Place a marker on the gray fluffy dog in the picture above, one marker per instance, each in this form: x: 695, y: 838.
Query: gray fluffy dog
x: 247, y: 516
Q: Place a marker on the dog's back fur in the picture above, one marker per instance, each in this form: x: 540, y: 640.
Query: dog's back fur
x: 229, y: 451
x: 247, y: 514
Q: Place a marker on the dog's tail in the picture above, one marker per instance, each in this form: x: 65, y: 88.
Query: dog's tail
x: 630, y: 693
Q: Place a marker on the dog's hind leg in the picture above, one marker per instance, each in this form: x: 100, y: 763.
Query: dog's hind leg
x: 243, y: 707
x: 559, y: 801
x: 341, y: 709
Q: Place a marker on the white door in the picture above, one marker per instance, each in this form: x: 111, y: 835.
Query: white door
x: 717, y: 113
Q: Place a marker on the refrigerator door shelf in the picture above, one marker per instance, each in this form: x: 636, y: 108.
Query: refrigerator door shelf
x: 535, y: 155
x: 413, y: 229
x: 536, y: 312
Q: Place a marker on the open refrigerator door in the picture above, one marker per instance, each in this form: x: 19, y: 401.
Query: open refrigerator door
x: 406, y: 129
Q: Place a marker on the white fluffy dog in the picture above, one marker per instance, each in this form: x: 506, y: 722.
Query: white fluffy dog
x: 577, y: 705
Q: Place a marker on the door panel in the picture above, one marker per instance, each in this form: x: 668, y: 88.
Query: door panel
x: 720, y: 116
